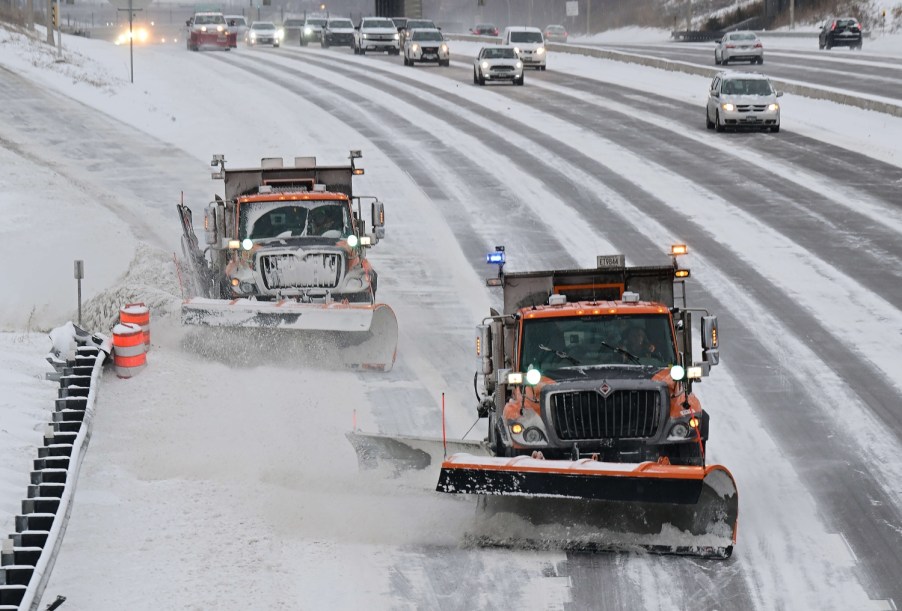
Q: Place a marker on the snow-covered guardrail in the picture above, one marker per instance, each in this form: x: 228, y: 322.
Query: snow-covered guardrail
x: 809, y: 91
x: 27, y: 556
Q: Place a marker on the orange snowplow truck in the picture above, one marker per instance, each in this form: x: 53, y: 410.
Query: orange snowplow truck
x: 285, y: 257
x: 587, y: 379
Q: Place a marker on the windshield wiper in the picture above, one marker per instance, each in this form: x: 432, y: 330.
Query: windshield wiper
x: 560, y: 354
x: 621, y: 351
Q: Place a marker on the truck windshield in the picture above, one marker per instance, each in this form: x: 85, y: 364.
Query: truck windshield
x: 285, y: 219
x: 586, y: 341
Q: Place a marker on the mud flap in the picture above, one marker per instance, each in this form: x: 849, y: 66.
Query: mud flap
x: 593, y: 506
x: 241, y: 331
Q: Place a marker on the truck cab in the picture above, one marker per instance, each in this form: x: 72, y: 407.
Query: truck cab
x: 580, y: 363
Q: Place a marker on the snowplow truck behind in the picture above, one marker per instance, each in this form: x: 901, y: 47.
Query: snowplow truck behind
x: 587, y: 379
x: 283, y: 268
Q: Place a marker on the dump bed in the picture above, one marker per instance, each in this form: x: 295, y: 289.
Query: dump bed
x: 304, y: 174
x: 525, y: 289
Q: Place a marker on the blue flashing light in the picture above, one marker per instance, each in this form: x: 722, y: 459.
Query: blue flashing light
x: 495, y: 258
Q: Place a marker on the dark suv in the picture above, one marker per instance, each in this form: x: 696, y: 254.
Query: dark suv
x: 844, y: 32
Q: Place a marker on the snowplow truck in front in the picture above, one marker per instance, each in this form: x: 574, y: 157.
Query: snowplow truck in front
x: 587, y: 379
x: 283, y: 270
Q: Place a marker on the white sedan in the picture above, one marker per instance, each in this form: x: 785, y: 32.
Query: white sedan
x: 423, y: 45
x: 498, y: 63
x: 264, y: 33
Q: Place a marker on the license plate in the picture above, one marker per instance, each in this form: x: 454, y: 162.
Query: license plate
x: 430, y: 56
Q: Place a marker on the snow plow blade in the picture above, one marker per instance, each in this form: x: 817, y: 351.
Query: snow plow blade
x: 356, y: 336
x: 375, y: 449
x: 658, y: 508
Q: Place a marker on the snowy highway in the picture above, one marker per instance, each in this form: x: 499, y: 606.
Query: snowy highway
x: 210, y: 486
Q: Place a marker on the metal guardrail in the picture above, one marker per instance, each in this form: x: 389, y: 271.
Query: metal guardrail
x: 795, y: 88
x: 28, y: 555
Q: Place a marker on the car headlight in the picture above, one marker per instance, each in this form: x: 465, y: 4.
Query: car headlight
x: 540, y: 50
x: 396, y: 36
x: 203, y: 28
x: 444, y: 48
x: 728, y: 107
x: 415, y: 47
x: 364, y: 36
x: 219, y: 28
x: 485, y: 65
x: 517, y: 50
x: 519, y: 65
x: 253, y: 36
x: 308, y: 30
x: 280, y: 33
x: 773, y: 107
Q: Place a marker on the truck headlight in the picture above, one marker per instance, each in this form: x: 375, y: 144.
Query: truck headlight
x: 519, y: 65
x: 533, y: 435
x: 308, y: 30
x: 679, y: 431
x: 397, y: 36
x: 280, y: 33
x: 444, y: 48
x: 203, y: 28
x: 219, y: 28
x: 533, y: 376
x: 247, y: 243
x: 414, y: 47
x: 540, y: 50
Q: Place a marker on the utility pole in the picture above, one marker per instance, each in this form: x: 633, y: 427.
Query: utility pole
x: 792, y: 14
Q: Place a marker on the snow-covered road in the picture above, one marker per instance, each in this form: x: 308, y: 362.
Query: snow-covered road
x: 214, y: 488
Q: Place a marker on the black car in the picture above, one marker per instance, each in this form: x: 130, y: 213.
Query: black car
x: 841, y: 32
x: 338, y: 32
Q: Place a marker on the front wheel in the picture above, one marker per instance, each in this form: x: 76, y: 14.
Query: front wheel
x: 717, y: 126
x: 519, y: 81
x: 708, y: 122
x: 716, y: 60
x: 775, y: 129
x: 481, y: 78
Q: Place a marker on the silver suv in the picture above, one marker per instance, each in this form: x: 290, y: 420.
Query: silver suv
x: 739, y: 47
x: 742, y: 100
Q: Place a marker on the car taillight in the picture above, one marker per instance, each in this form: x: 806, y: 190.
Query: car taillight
x: 833, y: 27
x: 729, y: 46
x: 757, y: 45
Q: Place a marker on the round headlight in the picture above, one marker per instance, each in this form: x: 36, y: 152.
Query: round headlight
x: 247, y: 244
x: 396, y: 36
x: 235, y: 281
x: 519, y: 65
x: 219, y: 28
x: 353, y: 241
x: 540, y: 50
x: 679, y: 430
x: 677, y: 372
x: 533, y: 435
x: 516, y: 428
x: 485, y: 65
x: 533, y: 376
x: 203, y: 28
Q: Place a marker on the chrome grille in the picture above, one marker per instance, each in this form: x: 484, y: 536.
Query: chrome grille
x: 751, y: 107
x: 314, y: 270
x: 587, y: 414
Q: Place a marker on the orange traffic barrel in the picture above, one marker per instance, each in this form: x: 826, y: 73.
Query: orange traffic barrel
x: 129, y: 349
x: 139, y: 314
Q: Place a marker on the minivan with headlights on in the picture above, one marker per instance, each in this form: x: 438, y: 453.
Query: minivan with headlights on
x: 742, y: 100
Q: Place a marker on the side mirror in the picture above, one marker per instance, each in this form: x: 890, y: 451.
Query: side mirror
x: 715, y: 94
x: 188, y: 23
x: 779, y: 94
x: 378, y: 214
x: 718, y: 41
x: 710, y: 340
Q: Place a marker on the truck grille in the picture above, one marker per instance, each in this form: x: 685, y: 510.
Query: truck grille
x: 587, y: 414
x: 314, y: 270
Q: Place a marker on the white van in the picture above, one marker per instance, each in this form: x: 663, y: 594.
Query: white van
x: 529, y: 43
